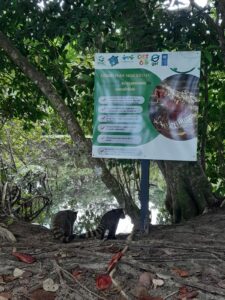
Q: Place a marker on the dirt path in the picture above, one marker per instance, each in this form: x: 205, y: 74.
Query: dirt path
x: 172, y: 262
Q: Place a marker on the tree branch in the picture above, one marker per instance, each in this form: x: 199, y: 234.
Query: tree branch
x: 73, y: 127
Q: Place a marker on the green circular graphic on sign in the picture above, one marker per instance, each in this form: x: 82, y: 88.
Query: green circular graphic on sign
x: 122, y: 103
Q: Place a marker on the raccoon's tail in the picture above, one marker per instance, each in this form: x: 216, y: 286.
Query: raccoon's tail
x: 59, y: 235
x: 98, y: 232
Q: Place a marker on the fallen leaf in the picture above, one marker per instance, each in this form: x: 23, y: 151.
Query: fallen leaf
x: 163, y: 276
x: 157, y: 282
x: 24, y: 257
x: 145, y: 279
x: 183, y: 289
x: 18, y: 272
x: 186, y: 293
x: 181, y: 273
x: 114, y: 260
x: 103, y: 281
x: 49, y: 285
x: 40, y: 294
x: 77, y: 274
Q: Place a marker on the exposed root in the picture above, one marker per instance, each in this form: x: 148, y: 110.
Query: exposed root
x: 6, y: 235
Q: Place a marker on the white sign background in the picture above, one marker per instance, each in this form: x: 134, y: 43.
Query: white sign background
x: 121, y: 117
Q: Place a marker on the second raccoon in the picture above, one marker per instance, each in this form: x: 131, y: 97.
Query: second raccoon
x: 109, y: 221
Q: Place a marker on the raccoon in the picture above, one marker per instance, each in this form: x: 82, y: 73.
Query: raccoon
x: 62, y: 225
x: 109, y: 222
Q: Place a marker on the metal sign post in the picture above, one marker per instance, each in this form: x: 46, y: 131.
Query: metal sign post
x: 144, y: 194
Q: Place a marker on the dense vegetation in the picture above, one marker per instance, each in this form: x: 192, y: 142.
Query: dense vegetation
x: 46, y: 79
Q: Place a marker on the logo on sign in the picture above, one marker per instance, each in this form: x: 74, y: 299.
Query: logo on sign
x: 101, y: 60
x: 143, y: 59
x: 155, y: 59
x: 164, y: 59
x: 113, y: 60
x: 127, y: 58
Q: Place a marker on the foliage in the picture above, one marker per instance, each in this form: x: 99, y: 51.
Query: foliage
x: 53, y: 159
x: 60, y: 39
x: 215, y: 145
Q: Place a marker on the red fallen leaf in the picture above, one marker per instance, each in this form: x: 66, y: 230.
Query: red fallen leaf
x: 181, y: 273
x: 77, y: 274
x: 24, y: 257
x: 183, y: 290
x: 114, y: 260
x: 103, y: 282
x: 186, y: 293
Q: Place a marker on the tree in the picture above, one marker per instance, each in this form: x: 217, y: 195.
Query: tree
x: 184, y: 197
x: 188, y: 189
x: 110, y: 26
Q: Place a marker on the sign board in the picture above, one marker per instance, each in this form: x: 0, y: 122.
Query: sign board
x: 146, y: 105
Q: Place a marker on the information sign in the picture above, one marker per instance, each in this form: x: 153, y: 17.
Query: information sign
x: 146, y: 105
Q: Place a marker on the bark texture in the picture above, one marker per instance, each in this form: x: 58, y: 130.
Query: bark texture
x: 188, y: 190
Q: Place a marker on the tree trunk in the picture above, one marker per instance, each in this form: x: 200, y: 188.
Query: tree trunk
x: 188, y: 189
x: 73, y: 127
